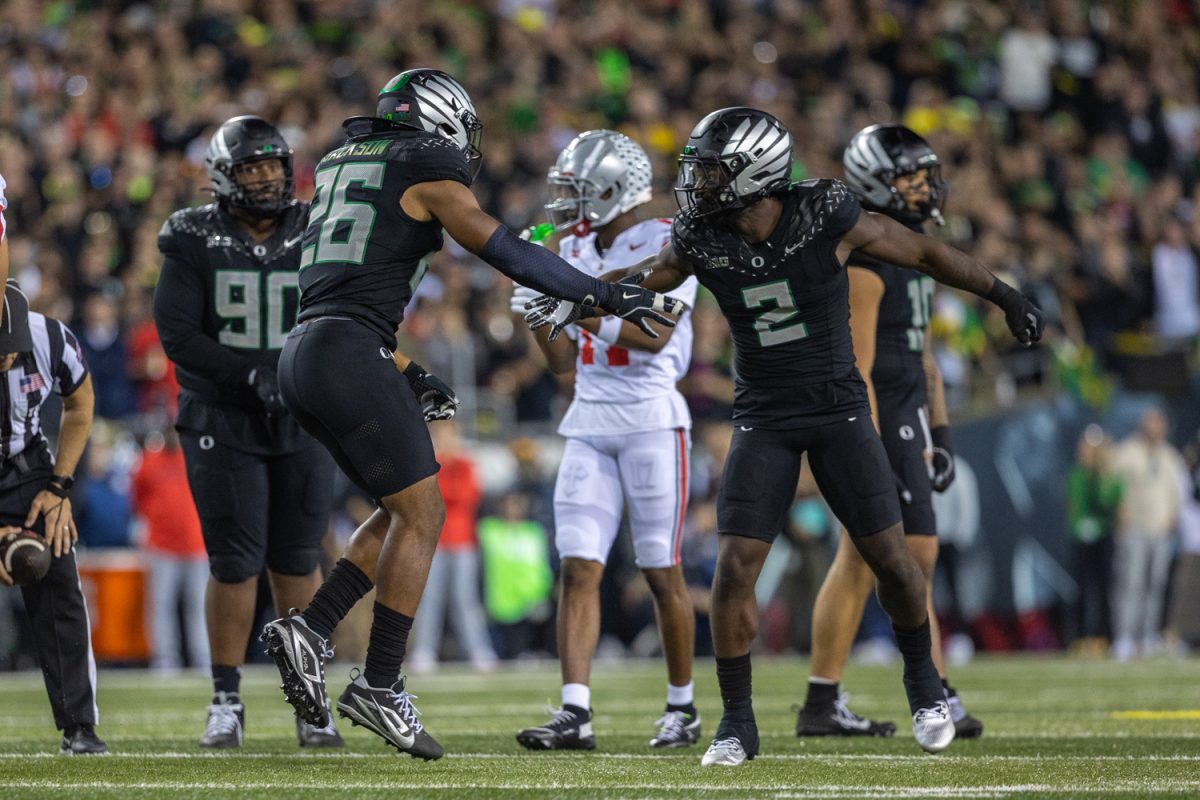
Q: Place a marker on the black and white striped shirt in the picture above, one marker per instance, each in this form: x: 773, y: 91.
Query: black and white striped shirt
x: 55, y: 365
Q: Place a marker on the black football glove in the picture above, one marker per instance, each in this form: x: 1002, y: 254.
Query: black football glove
x: 942, y: 464
x: 266, y: 385
x: 639, y: 306
x: 545, y: 310
x: 437, y: 399
x: 1025, y: 320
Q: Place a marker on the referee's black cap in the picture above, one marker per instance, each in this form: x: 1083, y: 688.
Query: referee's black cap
x: 15, y: 336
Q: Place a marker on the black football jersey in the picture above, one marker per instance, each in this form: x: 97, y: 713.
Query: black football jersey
x: 225, y: 302
x: 788, y: 305
x: 904, y: 310
x: 362, y: 255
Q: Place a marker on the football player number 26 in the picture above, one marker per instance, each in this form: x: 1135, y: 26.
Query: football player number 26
x: 345, y: 224
x: 778, y: 323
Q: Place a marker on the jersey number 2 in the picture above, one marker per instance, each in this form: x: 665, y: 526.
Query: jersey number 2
x: 345, y: 225
x: 778, y: 324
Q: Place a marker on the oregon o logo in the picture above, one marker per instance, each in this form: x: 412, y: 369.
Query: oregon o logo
x: 207, y: 442
x: 757, y: 262
x: 906, y: 433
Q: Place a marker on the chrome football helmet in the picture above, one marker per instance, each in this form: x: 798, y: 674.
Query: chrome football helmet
x: 242, y: 140
x: 597, y: 177
x: 734, y: 157
x: 432, y: 101
x: 877, y: 155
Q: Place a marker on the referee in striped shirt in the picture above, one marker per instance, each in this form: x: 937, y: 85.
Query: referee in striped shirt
x: 38, y: 356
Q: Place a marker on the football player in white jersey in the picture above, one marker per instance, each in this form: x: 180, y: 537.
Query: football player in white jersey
x: 628, y: 438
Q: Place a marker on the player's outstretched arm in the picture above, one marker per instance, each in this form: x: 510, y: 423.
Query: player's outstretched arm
x: 456, y: 208
x: 560, y: 351
x: 883, y: 237
x: 662, y: 272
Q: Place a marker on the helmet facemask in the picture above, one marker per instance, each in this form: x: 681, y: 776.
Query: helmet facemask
x: 242, y: 141
x: 704, y: 186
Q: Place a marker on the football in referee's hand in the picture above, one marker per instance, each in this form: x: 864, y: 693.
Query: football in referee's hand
x: 25, y: 556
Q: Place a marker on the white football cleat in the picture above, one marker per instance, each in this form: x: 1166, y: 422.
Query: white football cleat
x: 724, y: 753
x: 933, y: 727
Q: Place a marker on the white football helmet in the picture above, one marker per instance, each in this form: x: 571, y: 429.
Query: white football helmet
x: 597, y: 177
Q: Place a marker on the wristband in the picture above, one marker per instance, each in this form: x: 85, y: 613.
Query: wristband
x: 610, y: 329
x: 413, y: 371
x: 60, y: 485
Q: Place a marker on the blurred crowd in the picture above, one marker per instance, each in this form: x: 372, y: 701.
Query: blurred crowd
x: 1069, y: 131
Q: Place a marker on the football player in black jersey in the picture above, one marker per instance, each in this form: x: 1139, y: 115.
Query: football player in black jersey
x: 382, y: 201
x: 893, y: 171
x: 226, y: 297
x: 773, y: 254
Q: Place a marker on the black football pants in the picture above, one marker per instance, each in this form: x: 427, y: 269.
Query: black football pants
x: 55, y: 605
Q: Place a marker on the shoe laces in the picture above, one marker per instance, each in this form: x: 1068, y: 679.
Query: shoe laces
x: 222, y: 719
x: 729, y: 744
x: 403, y: 701
x: 842, y: 712
x: 323, y: 646
x: 671, y: 725
x: 938, y: 712
x: 561, y: 719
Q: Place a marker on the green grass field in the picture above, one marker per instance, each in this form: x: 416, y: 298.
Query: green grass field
x: 1055, y: 728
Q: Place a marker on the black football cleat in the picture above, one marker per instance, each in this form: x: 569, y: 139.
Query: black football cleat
x: 839, y: 720
x: 389, y: 714
x: 300, y: 654
x: 569, y: 728
x: 676, y: 729
x: 81, y: 740
x: 965, y: 726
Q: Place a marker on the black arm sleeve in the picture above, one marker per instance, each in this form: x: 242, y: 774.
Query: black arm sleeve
x: 536, y: 267
x: 179, y: 316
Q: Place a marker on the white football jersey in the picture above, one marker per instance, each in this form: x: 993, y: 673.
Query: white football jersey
x: 619, y: 390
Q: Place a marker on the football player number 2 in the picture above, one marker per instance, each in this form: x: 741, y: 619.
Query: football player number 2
x: 778, y: 323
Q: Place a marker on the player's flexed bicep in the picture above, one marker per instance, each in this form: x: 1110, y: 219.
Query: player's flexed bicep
x: 885, y: 239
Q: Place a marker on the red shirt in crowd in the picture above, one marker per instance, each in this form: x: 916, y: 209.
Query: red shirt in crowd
x: 161, y: 496
x: 152, y: 371
x: 462, y: 495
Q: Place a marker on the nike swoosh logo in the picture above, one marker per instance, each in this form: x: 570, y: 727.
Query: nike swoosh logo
x: 787, y: 251
x: 287, y: 243
x: 636, y: 246
x: 628, y: 296
x: 743, y: 427
x: 394, y: 722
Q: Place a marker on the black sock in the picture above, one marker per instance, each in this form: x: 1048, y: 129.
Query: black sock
x: 688, y: 710
x: 733, y: 676
x: 345, y: 586
x: 821, y: 695
x: 228, y: 680
x: 922, y: 684
x: 387, y: 646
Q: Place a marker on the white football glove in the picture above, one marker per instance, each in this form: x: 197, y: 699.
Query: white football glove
x: 521, y: 297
